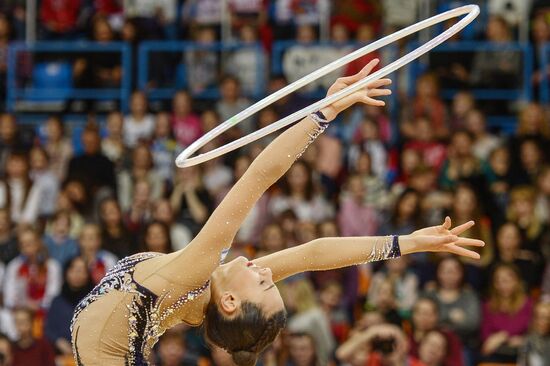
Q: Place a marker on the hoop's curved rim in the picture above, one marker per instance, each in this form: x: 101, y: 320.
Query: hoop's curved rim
x: 184, y: 158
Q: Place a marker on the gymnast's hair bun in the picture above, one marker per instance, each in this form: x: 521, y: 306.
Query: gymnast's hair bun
x: 245, y: 358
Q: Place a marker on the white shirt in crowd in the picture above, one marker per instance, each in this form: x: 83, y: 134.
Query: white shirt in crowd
x: 24, y: 208
x: 135, y: 130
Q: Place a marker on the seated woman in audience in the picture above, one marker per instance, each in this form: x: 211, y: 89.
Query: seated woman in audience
x: 58, y: 146
x: 385, y: 303
x: 302, y: 350
x: 376, y: 193
x: 466, y: 203
x: 77, y: 285
x: 425, y: 318
x: 272, y: 240
x: 32, y: 279
x: 142, y: 168
x: 356, y: 217
x: 180, y: 236
x: 156, y: 238
x: 521, y: 211
x: 300, y: 194
x: 433, y: 348
x: 99, y: 261
x: 60, y: 245
x: 459, y: 306
x: 28, y: 350
x: 506, y: 316
x: 45, y: 179
x: 404, y: 281
x: 536, y: 348
x: 112, y: 145
x: 509, y: 251
x: 115, y: 236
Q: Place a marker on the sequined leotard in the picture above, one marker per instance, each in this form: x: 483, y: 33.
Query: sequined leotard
x: 145, y: 317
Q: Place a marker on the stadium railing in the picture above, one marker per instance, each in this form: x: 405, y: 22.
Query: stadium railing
x: 51, y: 80
x: 175, y: 70
x: 523, y: 92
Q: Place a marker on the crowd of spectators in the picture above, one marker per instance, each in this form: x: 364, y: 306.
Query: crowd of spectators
x: 70, y: 208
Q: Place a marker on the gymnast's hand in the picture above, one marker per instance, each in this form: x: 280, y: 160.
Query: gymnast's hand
x: 361, y: 96
x: 441, y: 238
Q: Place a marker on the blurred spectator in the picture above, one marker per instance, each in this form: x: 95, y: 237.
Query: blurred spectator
x: 172, y: 351
x: 299, y: 194
x: 67, y: 203
x: 141, y: 209
x: 462, y: 164
x: 156, y: 238
x: 32, y: 279
x: 6, y: 353
x: 115, y: 236
x: 384, y: 344
x: 506, y: 316
x: 142, y: 168
x: 12, y: 138
x: 216, y: 176
x: 331, y: 301
x: 302, y: 350
x: 112, y: 145
x: 157, y: 16
x: 202, y: 64
x: 385, y: 302
x: 536, y: 348
x: 92, y: 166
x: 58, y: 147
x: 272, y: 240
x: 164, y: 148
x: 353, y: 13
x: 425, y: 318
x: 77, y: 284
x: 463, y: 102
x: 28, y: 350
x: 185, y: 124
x: 59, y: 19
x: 484, y: 142
x: 99, y: 261
x: 404, y: 282
x: 428, y: 104
x: 99, y: 69
x: 232, y: 102
x: 139, y: 124
x: 543, y: 197
x: 425, y: 142
x: 510, y: 251
x: 45, y: 179
x: 433, y: 348
x: 521, y: 211
x: 540, y: 34
x: 376, y: 194
x: 496, y: 69
x: 246, y: 63
x: 60, y: 245
x: 367, y: 138
x: 201, y: 13
x: 8, y: 242
x: 465, y: 207
x: 404, y: 217
x: 18, y: 192
x: 356, y: 217
x: 180, y: 236
x: 459, y: 306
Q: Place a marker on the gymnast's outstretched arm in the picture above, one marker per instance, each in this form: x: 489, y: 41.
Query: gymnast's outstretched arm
x: 203, y: 253
x: 330, y: 253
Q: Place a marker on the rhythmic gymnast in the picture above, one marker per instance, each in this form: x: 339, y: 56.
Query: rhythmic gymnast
x: 241, y: 308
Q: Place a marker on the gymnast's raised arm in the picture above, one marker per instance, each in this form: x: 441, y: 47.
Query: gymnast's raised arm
x: 329, y: 253
x: 203, y: 253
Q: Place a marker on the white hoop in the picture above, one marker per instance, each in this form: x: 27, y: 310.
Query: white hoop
x: 184, y: 160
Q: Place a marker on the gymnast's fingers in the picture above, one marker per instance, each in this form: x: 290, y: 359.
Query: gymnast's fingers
x: 470, y: 242
x: 462, y: 228
x: 462, y: 251
x: 378, y: 83
x: 378, y: 92
x: 348, y: 80
x: 371, y: 101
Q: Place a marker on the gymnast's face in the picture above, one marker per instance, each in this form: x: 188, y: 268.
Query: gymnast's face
x: 242, y: 281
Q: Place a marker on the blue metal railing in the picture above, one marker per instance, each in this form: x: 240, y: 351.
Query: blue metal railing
x: 166, y: 92
x: 17, y: 92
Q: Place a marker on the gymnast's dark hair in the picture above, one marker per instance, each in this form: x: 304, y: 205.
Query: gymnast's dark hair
x: 244, y: 336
